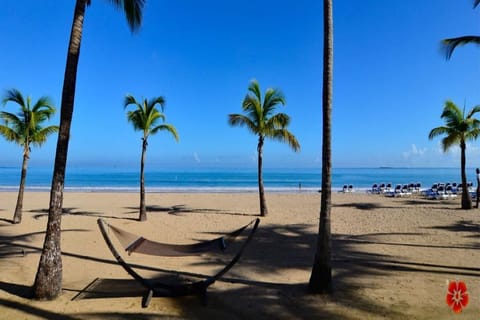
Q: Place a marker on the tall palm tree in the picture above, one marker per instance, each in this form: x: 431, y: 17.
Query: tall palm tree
x: 449, y: 45
x: 458, y: 129
x: 145, y: 118
x: 261, y: 120
x: 25, y: 129
x: 48, y: 280
x: 321, y: 276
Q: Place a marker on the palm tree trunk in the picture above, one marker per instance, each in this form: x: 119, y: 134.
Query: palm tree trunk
x: 261, y: 191
x: 143, y: 209
x: 48, y: 280
x: 466, y: 200
x: 17, y: 216
x: 321, y: 277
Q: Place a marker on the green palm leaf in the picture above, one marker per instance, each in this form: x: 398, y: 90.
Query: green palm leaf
x: 449, y: 45
x: 25, y: 127
x: 133, y: 11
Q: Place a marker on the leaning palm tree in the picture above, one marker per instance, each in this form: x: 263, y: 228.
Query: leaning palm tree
x: 48, y: 280
x: 145, y: 118
x: 25, y: 129
x: 458, y: 129
x: 449, y: 45
x: 261, y: 120
x: 321, y: 276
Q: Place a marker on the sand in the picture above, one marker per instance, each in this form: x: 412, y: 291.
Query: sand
x: 392, y: 256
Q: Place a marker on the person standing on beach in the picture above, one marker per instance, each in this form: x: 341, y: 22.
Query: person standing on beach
x: 478, y: 186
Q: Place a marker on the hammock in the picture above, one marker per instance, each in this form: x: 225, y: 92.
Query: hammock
x: 136, y: 244
x: 133, y: 243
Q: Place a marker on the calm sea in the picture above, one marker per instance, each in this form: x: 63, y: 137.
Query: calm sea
x: 95, y: 179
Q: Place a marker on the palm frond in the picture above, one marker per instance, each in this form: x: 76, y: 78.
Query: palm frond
x: 449, y: 45
x: 129, y: 100
x: 48, y: 130
x: 449, y: 141
x: 136, y: 119
x: 39, y: 137
x: 133, y: 11
x: 13, y: 95
x: 241, y: 120
x: 157, y: 100
x: 252, y: 106
x: 473, y: 134
x: 152, y: 118
x: 9, y: 134
x: 438, y: 131
x: 44, y: 105
x: 475, y: 3
x: 10, y: 118
x: 273, y: 97
x: 283, y: 135
x: 166, y: 127
x: 452, y: 114
x: 254, y: 88
x: 279, y: 120
x: 474, y: 110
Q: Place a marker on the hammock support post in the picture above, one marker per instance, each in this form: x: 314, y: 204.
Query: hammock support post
x: 154, y: 288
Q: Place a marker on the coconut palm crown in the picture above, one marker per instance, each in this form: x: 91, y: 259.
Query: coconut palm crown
x: 260, y: 119
x: 25, y: 129
x: 458, y: 129
x: 145, y: 118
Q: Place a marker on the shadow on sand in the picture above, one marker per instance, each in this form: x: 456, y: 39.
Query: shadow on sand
x: 275, y: 249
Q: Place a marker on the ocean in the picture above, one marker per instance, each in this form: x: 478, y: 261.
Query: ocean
x: 102, y: 179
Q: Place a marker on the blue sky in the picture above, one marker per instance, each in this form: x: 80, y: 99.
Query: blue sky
x: 390, y: 78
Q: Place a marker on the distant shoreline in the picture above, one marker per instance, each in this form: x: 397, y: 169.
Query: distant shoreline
x: 224, y: 181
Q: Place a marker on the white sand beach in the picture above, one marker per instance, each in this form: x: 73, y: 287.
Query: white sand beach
x: 392, y: 256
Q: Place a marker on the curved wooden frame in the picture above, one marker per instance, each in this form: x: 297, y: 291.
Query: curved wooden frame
x: 167, y: 290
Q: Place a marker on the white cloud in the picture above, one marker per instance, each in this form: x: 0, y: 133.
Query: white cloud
x: 196, y: 157
x: 414, y: 152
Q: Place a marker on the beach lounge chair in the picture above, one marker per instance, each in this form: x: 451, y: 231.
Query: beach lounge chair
x: 398, y: 190
x: 381, y: 188
x: 388, y: 187
x: 418, y: 187
x: 137, y: 244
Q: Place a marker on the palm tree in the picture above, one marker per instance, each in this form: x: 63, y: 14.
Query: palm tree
x: 26, y: 129
x: 48, y: 280
x: 145, y: 118
x: 458, y: 129
x: 449, y: 45
x: 321, y: 276
x: 261, y: 120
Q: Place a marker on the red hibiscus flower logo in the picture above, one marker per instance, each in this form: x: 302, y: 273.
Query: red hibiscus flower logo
x: 457, y: 296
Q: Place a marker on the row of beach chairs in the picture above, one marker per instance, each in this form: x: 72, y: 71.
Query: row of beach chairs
x: 347, y: 188
x: 443, y: 191
x: 400, y: 190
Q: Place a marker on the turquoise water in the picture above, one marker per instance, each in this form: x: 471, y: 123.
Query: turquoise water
x: 225, y: 180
